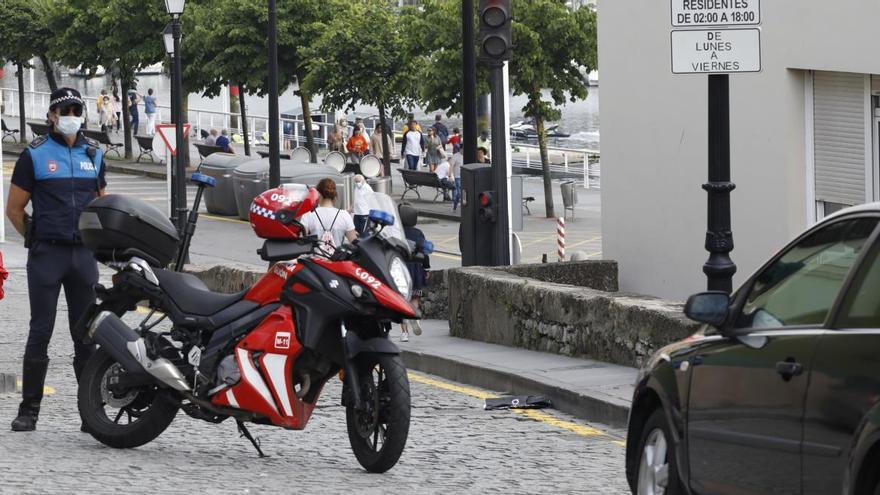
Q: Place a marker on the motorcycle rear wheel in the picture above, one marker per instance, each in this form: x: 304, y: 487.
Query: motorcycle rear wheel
x: 378, y: 434
x: 121, y: 420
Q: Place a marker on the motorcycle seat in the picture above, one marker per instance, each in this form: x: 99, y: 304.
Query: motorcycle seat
x: 192, y: 296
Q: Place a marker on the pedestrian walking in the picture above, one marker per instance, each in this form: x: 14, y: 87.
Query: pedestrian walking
x: 433, y: 147
x: 332, y: 225
x: 418, y: 270
x: 335, y: 141
x: 133, y: 100
x: 109, y: 114
x: 101, y: 107
x: 455, y: 140
x: 441, y: 130
x: 378, y: 149
x: 411, y: 124
x: 58, y: 174
x: 413, y: 146
x: 117, y: 110
x: 361, y: 209
x: 444, y: 175
x: 358, y: 145
x: 344, y: 129
x: 455, y: 164
x: 150, y: 110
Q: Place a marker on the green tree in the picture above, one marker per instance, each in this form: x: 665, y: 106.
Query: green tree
x: 232, y: 48
x: 361, y: 56
x: 105, y: 33
x: 23, y: 35
x: 551, y: 43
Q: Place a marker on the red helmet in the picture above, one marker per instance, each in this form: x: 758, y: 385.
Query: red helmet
x: 293, y: 197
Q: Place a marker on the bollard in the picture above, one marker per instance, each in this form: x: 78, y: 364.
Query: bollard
x: 560, y: 237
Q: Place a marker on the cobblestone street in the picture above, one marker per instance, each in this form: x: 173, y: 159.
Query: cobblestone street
x: 454, y: 445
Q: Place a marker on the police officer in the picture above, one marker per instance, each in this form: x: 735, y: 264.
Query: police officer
x: 59, y: 174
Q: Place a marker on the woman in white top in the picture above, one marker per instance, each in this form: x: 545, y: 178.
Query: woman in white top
x: 329, y: 223
x: 361, y: 210
x: 412, y: 146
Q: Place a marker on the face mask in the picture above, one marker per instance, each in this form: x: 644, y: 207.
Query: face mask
x: 359, y: 185
x: 69, y: 125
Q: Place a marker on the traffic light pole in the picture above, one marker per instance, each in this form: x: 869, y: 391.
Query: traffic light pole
x: 500, y: 176
x: 469, y: 90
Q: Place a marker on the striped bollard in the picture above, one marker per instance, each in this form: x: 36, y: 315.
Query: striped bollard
x: 560, y: 237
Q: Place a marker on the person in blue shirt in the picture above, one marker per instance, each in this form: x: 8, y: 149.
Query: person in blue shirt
x: 223, y: 142
x: 58, y: 174
x: 150, y: 111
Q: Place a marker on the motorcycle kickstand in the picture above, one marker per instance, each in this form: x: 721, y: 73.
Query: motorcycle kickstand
x: 247, y: 434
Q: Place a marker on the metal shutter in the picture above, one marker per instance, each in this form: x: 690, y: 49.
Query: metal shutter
x: 839, y: 134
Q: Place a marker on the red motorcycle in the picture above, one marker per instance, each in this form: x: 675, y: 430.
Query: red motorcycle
x: 262, y: 355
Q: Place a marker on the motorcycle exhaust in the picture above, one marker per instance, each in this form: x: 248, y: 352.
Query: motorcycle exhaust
x: 129, y: 349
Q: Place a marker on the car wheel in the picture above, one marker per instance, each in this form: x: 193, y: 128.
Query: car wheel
x: 658, y: 473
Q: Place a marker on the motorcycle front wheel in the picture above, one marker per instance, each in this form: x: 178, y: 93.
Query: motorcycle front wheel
x: 121, y: 419
x: 378, y: 433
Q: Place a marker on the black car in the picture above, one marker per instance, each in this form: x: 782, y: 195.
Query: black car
x: 780, y: 391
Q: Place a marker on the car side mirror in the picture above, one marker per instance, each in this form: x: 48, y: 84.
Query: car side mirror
x: 711, y: 307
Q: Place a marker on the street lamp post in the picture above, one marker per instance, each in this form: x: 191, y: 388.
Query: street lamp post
x: 175, y: 10
x: 274, y: 124
x: 168, y: 41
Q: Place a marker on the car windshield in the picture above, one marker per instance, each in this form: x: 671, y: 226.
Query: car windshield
x: 383, y: 202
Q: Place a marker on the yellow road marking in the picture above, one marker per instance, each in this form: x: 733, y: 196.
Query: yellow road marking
x: 223, y: 219
x: 583, y: 242
x: 47, y: 390
x: 447, y: 256
x: 532, y: 414
x: 536, y: 241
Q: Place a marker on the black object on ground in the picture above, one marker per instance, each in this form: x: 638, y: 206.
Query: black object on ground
x: 518, y: 402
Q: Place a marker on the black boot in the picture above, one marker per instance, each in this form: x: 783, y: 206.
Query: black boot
x: 32, y: 380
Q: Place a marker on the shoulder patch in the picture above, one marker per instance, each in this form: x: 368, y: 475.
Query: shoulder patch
x: 36, y: 143
x: 91, y: 142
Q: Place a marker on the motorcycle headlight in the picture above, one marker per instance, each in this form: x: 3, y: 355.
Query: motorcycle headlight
x: 401, y: 277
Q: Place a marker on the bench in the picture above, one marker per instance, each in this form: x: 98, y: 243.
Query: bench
x: 413, y: 179
x: 265, y: 154
x: 7, y: 132
x: 104, y: 140
x: 146, y: 145
x: 526, y: 202
x: 40, y: 128
x: 206, y: 150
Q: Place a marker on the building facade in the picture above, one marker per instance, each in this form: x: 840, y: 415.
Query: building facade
x: 805, y: 137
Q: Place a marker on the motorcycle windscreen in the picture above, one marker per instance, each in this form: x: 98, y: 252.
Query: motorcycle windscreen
x: 383, y: 202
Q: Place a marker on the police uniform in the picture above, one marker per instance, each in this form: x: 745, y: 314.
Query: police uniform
x: 62, y: 180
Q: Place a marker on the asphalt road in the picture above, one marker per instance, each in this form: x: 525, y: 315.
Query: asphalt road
x: 454, y: 445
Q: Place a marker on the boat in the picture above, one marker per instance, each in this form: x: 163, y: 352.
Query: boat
x: 152, y: 70
x: 80, y: 72
x: 525, y: 130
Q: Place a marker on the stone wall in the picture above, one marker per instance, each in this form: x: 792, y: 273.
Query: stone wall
x: 503, y: 308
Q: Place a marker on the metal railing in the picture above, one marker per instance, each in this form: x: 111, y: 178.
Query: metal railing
x: 580, y: 164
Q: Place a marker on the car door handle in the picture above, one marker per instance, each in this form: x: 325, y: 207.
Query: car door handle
x: 789, y: 369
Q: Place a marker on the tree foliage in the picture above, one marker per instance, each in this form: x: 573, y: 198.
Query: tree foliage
x: 23, y: 30
x: 361, y: 57
x: 551, y: 45
x: 122, y: 36
x: 433, y: 38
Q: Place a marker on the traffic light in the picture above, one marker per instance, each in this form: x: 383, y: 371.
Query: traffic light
x: 495, y: 29
x: 487, y: 206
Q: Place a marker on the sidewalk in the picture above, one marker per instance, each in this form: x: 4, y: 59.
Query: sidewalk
x: 584, y: 388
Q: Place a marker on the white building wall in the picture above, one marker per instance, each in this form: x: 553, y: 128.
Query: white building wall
x: 654, y: 138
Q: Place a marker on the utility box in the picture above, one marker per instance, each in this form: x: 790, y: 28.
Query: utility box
x: 476, y: 232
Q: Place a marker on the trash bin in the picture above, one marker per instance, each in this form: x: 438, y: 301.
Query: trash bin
x: 346, y: 192
x: 380, y: 184
x: 250, y: 179
x: 220, y: 200
x: 569, y: 196
x: 516, y: 201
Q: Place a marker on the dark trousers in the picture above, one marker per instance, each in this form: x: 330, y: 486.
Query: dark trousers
x: 49, y: 268
x: 134, y: 124
x: 360, y: 223
x: 412, y: 162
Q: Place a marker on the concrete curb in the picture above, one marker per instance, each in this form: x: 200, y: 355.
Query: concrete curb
x: 607, y: 410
